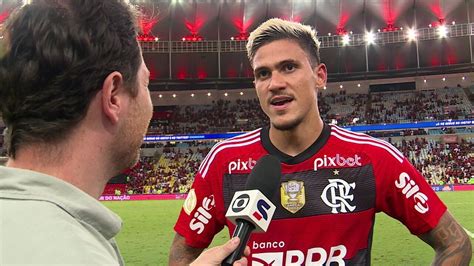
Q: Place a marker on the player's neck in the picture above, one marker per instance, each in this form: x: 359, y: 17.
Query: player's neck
x: 297, y: 140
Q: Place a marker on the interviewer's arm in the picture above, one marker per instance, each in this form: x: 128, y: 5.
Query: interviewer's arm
x: 181, y: 254
x: 450, y: 242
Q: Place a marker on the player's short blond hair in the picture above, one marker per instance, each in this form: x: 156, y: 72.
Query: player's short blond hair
x: 278, y: 29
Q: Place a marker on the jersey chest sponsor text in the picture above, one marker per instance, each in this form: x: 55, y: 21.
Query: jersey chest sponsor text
x: 312, y: 256
x: 241, y: 165
x: 336, y: 161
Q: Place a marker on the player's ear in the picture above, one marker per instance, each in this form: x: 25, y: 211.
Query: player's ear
x: 321, y: 74
x: 112, y: 100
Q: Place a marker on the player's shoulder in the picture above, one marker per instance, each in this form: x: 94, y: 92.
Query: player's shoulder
x: 376, y: 149
x: 226, y: 150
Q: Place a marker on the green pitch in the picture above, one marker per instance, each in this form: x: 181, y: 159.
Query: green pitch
x: 148, y: 231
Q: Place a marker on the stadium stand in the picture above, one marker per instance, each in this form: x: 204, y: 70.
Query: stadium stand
x: 172, y: 168
x: 440, y: 163
x: 443, y: 155
x: 338, y: 108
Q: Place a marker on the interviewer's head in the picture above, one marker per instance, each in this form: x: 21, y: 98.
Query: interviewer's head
x: 60, y: 56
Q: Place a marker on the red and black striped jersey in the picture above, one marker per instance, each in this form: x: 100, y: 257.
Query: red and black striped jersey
x: 327, y: 200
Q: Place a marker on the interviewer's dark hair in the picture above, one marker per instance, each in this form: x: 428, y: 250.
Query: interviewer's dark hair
x: 57, y: 55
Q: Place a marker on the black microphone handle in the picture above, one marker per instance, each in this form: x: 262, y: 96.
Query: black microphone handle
x: 243, y: 230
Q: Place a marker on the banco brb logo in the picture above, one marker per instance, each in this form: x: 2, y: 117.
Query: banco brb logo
x: 336, y: 195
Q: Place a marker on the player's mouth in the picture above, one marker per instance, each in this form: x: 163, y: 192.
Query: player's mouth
x: 281, y: 102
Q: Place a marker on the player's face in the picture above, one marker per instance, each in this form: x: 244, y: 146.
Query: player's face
x: 135, y: 127
x: 287, y: 84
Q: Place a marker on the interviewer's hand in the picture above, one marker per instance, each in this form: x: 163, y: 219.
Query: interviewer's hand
x: 214, y: 256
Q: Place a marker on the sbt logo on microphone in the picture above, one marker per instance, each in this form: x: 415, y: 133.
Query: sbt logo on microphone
x: 252, y: 206
x: 241, y: 165
x: 337, y: 160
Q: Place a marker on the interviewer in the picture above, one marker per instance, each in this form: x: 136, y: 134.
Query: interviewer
x: 74, y: 97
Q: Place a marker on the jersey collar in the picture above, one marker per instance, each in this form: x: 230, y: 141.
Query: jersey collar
x: 306, y: 154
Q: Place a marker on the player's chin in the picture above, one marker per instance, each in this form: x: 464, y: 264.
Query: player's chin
x: 285, y: 124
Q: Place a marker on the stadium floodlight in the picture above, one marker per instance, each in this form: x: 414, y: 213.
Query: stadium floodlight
x: 370, y: 38
x: 345, y: 39
x: 411, y: 35
x: 442, y: 31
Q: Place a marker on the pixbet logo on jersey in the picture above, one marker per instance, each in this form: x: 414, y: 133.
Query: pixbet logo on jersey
x: 337, y: 160
x: 411, y: 189
x: 202, y: 215
x: 241, y: 165
x: 262, y: 207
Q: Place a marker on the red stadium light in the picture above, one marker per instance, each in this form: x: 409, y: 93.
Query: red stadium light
x: 438, y: 23
x: 390, y: 27
x: 147, y: 38
x: 193, y: 37
x: 341, y: 31
x: 243, y: 36
x: 3, y: 16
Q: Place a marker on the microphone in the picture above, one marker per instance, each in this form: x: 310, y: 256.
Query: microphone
x: 251, y: 209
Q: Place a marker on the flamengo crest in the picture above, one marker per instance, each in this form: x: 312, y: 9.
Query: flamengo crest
x: 337, y: 195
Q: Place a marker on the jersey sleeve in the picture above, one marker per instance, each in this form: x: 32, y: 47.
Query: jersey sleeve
x: 403, y: 193
x: 202, y: 214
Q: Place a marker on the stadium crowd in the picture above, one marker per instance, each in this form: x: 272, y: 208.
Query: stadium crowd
x: 338, y: 108
x: 440, y: 163
x: 172, y: 168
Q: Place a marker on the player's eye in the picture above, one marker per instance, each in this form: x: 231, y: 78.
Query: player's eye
x: 262, y: 74
x: 289, y: 67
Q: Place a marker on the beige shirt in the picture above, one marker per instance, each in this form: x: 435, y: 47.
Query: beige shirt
x: 46, y: 221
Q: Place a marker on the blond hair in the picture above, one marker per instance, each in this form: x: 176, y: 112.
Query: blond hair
x: 278, y: 29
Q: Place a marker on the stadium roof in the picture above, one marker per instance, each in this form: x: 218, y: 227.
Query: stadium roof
x: 193, y: 44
